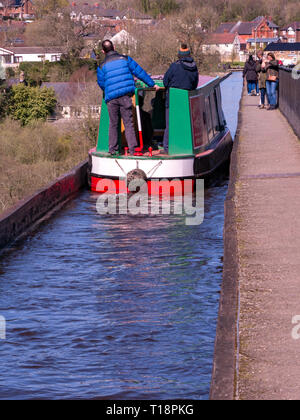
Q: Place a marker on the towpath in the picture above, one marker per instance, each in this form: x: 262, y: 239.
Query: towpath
x: 265, y: 259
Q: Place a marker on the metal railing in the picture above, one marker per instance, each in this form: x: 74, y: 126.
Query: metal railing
x: 289, y: 96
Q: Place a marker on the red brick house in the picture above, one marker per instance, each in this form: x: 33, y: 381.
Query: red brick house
x: 255, y: 34
x: 16, y: 9
x: 291, y: 33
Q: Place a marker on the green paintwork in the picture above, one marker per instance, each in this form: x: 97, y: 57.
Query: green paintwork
x: 180, y: 133
x: 102, y: 144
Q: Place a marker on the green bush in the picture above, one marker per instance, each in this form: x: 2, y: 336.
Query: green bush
x: 27, y: 103
x: 237, y: 64
x: 58, y: 71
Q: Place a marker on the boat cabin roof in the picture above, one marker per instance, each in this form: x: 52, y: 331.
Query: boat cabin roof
x: 203, y: 80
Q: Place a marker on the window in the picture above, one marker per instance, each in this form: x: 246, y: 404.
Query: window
x: 18, y: 59
x: 55, y: 58
x: 209, y: 122
x: 214, y: 113
x: 95, y: 109
x: 7, y: 59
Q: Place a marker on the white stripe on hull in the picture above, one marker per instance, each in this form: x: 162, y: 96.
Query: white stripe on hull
x: 156, y: 168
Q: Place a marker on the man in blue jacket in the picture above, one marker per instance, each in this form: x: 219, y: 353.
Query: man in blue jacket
x: 183, y: 74
x: 115, y: 78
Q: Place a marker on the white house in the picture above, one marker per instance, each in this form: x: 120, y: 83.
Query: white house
x: 226, y: 44
x: 123, y: 37
x: 13, y: 56
x: 76, y: 100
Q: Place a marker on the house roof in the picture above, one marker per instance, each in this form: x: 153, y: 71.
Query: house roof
x: 217, y: 38
x: 34, y: 50
x: 91, y: 10
x: 225, y: 27
x: 271, y: 24
x: 283, y: 46
x: 263, y: 40
x: 244, y: 28
x: 67, y: 92
x: 294, y: 25
x: 134, y: 14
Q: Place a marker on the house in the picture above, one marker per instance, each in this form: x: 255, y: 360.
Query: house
x: 287, y: 52
x: 76, y: 100
x: 13, y: 56
x: 291, y: 33
x: 93, y: 13
x: 124, y: 38
x: 253, y: 35
x: 137, y: 17
x: 22, y: 9
x: 226, y: 44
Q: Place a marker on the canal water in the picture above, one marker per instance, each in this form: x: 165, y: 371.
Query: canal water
x: 114, y: 307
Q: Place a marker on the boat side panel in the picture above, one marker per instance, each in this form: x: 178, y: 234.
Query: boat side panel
x: 207, y: 162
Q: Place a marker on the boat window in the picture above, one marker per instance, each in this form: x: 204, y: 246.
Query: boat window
x: 152, y: 115
x: 214, y: 112
x: 209, y: 123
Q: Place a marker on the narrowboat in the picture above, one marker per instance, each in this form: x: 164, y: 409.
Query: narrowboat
x: 199, y: 140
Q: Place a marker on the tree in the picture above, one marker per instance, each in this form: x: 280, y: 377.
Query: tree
x: 187, y: 27
x: 46, y: 7
x: 27, y: 104
x: 64, y: 33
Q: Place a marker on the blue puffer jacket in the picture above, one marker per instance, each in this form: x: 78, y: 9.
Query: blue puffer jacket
x: 115, y: 75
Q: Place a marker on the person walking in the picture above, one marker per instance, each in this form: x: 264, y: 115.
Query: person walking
x: 115, y: 78
x: 182, y: 74
x: 272, y: 70
x: 262, y: 78
x: 251, y: 75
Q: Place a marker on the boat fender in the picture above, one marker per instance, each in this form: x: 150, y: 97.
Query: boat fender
x: 135, y: 174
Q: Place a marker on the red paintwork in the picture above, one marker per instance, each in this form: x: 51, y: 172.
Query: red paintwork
x: 207, y: 152
x: 155, y: 187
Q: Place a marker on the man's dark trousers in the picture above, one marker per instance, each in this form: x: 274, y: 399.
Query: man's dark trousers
x: 123, y: 106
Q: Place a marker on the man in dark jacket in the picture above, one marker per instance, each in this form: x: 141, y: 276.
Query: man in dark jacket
x: 183, y: 74
x: 115, y: 78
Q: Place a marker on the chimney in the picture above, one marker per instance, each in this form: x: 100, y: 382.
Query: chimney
x: 73, y: 4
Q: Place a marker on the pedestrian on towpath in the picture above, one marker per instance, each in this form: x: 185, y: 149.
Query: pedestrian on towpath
x: 183, y: 74
x: 115, y: 78
x: 251, y: 75
x: 272, y: 69
x: 262, y: 77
